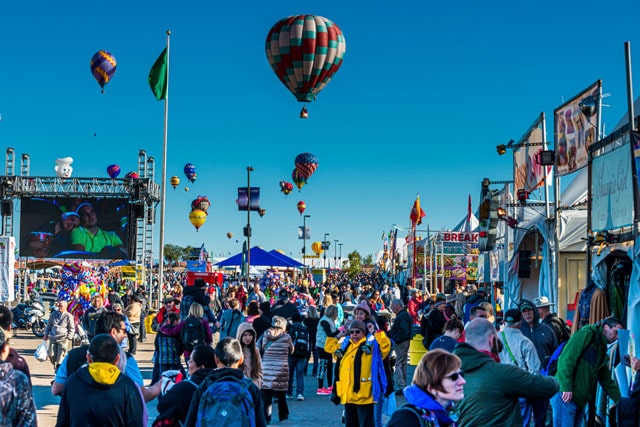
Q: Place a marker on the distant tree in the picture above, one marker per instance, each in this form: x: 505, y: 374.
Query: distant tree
x: 186, y: 252
x: 173, y: 253
x: 368, y: 260
x: 355, y: 264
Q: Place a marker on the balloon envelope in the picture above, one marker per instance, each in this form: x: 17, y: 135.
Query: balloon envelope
x: 132, y: 175
x: 229, y: 235
x: 298, y: 179
x: 197, y: 218
x: 113, y: 171
x: 103, y: 67
x: 317, y: 247
x: 306, y: 164
x: 301, y: 206
x: 305, y: 51
x: 175, y: 181
x: 190, y: 172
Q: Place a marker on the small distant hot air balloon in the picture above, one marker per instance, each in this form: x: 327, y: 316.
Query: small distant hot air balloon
x: 317, y: 247
x: 229, y: 235
x: 262, y: 212
x: 298, y: 179
x: 286, y: 187
x: 132, y: 175
x: 190, y: 172
x: 301, y: 206
x: 113, y: 171
x: 306, y: 164
x: 175, y: 181
x: 186, y: 188
x: 197, y: 218
x: 103, y: 67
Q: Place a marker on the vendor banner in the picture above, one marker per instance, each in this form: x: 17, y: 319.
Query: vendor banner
x: 7, y: 266
x: 612, y: 188
x: 456, y: 260
x: 528, y: 174
x: 576, y: 129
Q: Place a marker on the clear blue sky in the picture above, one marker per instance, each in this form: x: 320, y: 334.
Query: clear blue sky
x: 425, y: 93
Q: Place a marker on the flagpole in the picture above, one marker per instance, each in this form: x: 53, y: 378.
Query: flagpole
x: 164, y: 180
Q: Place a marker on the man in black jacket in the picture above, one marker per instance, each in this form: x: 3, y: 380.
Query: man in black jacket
x: 401, y: 332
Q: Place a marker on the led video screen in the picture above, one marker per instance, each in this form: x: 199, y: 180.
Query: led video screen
x: 67, y: 227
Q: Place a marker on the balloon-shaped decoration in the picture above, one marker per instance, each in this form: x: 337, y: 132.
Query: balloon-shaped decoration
x: 175, y: 181
x: 132, y: 175
x: 261, y: 212
x: 305, y: 51
x: 190, y: 172
x: 113, y: 171
x: 306, y: 164
x: 186, y: 188
x: 317, y: 247
x: 202, y: 203
x: 229, y: 235
x: 298, y: 179
x: 103, y: 67
x: 286, y: 187
x: 197, y: 218
x: 63, y: 167
x: 301, y: 206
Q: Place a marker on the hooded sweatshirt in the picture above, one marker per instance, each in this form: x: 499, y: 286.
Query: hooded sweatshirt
x: 99, y: 392
x: 541, y: 335
x: 250, y: 353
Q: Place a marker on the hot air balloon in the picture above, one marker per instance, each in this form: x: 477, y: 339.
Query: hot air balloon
x: 229, y: 235
x: 301, y: 206
x: 305, y: 51
x: 286, y: 187
x: 262, y: 212
x: 197, y: 218
x: 317, y: 247
x: 298, y: 179
x: 190, y: 172
x: 103, y: 67
x: 202, y: 203
x: 132, y: 175
x: 113, y: 171
x: 306, y: 164
x: 175, y: 181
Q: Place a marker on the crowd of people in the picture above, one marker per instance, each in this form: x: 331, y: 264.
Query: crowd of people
x: 237, y: 351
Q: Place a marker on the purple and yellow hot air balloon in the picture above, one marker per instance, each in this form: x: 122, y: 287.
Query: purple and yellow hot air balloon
x: 298, y: 179
x: 305, y: 51
x: 103, y: 67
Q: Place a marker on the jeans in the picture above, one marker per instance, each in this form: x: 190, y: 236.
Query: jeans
x: 377, y: 413
x: 400, y: 372
x: 267, y: 399
x: 297, y: 365
x: 358, y: 415
x: 566, y: 414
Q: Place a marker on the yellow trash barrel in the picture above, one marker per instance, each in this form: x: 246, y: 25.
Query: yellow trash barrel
x: 416, y: 350
x: 147, y: 323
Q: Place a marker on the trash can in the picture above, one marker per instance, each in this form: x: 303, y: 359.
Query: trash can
x: 147, y: 323
x: 416, y: 350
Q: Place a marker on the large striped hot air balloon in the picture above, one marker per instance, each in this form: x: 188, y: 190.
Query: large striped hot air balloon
x: 103, y: 67
x: 305, y: 51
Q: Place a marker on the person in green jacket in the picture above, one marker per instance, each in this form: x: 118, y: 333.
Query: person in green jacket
x: 582, y: 364
x: 493, y: 389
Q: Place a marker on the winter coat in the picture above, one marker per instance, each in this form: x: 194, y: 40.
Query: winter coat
x: 322, y: 334
x: 522, y: 349
x: 17, y: 406
x: 275, y: 347
x: 250, y: 353
x: 492, y: 389
x: 435, y: 414
x: 402, y: 327
x: 60, y: 326
x: 584, y: 363
x: 229, y: 322
x: 541, y: 335
x: 346, y: 382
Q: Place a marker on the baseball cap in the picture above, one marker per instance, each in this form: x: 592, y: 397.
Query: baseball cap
x: 542, y: 302
x: 283, y: 293
x: 512, y: 316
x: 526, y: 304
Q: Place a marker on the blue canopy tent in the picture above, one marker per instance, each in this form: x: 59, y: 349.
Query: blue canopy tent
x: 259, y: 257
x: 285, y: 258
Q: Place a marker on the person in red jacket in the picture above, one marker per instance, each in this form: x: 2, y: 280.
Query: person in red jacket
x: 414, y: 304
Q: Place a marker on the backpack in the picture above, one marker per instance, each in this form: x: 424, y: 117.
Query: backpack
x: 226, y: 402
x: 185, y: 305
x: 192, y: 333
x: 418, y: 412
x: 300, y: 338
x: 89, y: 322
x: 552, y: 365
x: 565, y: 331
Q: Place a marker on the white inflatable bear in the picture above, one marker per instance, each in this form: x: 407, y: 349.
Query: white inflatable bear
x: 63, y: 167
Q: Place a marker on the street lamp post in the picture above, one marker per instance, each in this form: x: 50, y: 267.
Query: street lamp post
x: 248, y: 232
x: 335, y: 252
x: 340, y: 255
x: 304, y: 239
x: 325, y: 246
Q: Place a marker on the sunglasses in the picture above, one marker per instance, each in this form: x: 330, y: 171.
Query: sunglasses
x: 455, y: 376
x: 355, y: 332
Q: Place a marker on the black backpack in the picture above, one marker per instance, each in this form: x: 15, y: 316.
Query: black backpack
x: 192, y: 333
x: 300, y: 337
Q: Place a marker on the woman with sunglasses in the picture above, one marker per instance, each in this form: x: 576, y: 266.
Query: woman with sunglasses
x: 437, y: 383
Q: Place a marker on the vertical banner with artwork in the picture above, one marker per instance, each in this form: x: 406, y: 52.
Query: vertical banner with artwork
x: 248, y: 202
x: 528, y: 174
x: 576, y: 125
x: 7, y: 268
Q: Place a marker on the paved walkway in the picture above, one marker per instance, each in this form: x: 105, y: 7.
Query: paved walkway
x: 314, y: 411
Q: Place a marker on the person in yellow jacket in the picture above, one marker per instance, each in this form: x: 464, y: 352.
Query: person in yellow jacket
x: 361, y: 380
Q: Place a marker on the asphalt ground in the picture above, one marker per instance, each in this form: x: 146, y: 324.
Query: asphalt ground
x: 312, y: 412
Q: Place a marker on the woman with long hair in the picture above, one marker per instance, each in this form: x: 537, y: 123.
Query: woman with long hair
x: 326, y: 328
x: 437, y: 383
x: 252, y: 363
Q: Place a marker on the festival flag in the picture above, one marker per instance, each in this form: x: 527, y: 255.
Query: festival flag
x: 202, y: 257
x: 528, y: 174
x: 416, y: 213
x: 158, y: 76
x: 244, y: 266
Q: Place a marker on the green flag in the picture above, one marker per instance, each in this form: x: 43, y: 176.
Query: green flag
x: 158, y: 76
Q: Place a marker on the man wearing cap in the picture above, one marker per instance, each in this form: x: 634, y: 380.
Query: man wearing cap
x: 519, y: 351
x: 91, y: 238
x: 557, y: 325
x: 168, y: 306
x: 401, y: 332
x: 432, y: 324
x: 545, y: 342
x: 283, y: 307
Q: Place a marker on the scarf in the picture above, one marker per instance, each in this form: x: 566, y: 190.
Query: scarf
x: 423, y: 400
x: 491, y: 355
x: 104, y: 373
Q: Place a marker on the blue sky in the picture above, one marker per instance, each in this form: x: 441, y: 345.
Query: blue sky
x: 425, y: 93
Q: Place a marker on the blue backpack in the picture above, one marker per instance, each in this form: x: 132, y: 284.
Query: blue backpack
x: 226, y: 402
x: 185, y: 305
